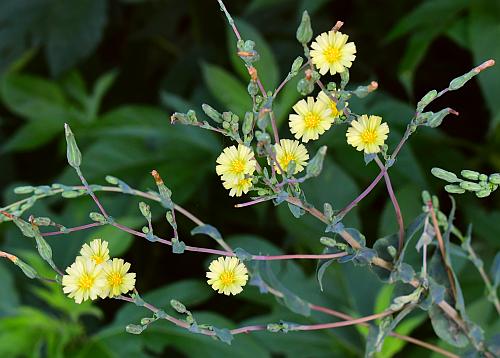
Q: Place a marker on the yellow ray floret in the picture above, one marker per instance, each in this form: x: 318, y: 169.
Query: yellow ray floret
x: 84, y: 280
x: 227, y: 275
x: 367, y: 133
x: 118, y: 279
x: 331, y: 52
x: 97, y: 251
x: 288, y: 150
x: 238, y: 187
x: 312, y: 119
x: 234, y: 163
x: 333, y: 106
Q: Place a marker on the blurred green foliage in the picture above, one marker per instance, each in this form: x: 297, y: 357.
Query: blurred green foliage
x: 115, y: 70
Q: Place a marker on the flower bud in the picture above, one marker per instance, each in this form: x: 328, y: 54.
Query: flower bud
x: 470, y: 174
x: 211, y: 113
x: 483, y: 193
x: 470, y: 186
x: 145, y: 210
x: 428, y: 98
x: 315, y: 166
x: 494, y: 178
x: 445, y: 175
x: 304, y: 31
x: 178, y: 306
x: 460, y: 81
x: 454, y: 189
x: 27, y: 269
x: 72, y: 152
x: 97, y: 217
x: 24, y: 190
x: 297, y: 63
x: 134, y: 329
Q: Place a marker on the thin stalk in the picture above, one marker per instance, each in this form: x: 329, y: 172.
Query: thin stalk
x: 492, y: 292
x: 397, y: 209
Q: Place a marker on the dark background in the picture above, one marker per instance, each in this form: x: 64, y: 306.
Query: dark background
x: 158, y: 57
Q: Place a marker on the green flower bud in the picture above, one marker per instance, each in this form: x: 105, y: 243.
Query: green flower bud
x: 483, y: 193
x: 42, y: 221
x: 445, y: 175
x: 247, y: 123
x: 297, y: 63
x: 252, y: 88
x: 428, y: 98
x: 304, y: 31
x: 211, y: 113
x: 315, y: 165
x: 145, y: 210
x: 134, y: 329
x: 454, y: 189
x: 112, y: 180
x: 460, y: 81
x: 470, y: 186
x: 44, y: 248
x: 97, y: 217
x: 191, y: 116
x: 436, y: 119
x: 178, y: 306
x: 305, y: 87
x: 24, y: 190
x: 27, y: 269
x: 344, y: 78
x: 483, y: 177
x: 72, y: 152
x: 426, y: 196
x: 147, y: 320
x: 494, y: 178
x: 470, y: 174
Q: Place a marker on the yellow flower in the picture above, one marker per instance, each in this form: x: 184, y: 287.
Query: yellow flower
x: 84, y: 280
x: 238, y: 187
x: 312, y: 119
x: 367, y: 133
x: 227, y: 275
x: 331, y: 52
x: 118, y: 280
x: 234, y: 163
x: 288, y: 150
x: 333, y: 106
x: 97, y: 251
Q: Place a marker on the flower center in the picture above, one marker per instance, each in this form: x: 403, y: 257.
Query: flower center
x: 332, y: 54
x: 115, y: 279
x: 237, y: 166
x: 311, y: 120
x: 286, y: 159
x: 86, y: 281
x: 369, y: 136
x: 98, y: 259
x: 227, y: 277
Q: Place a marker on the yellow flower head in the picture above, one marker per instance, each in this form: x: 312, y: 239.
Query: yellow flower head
x: 331, y: 52
x: 84, y: 280
x: 234, y: 163
x: 312, y: 119
x: 288, y: 150
x: 97, y: 251
x: 227, y: 275
x: 117, y: 278
x: 238, y: 187
x: 367, y: 133
x: 333, y: 106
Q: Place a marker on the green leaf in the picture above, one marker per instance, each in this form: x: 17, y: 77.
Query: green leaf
x: 267, y: 66
x: 9, y: 298
x: 74, y: 30
x: 226, y: 89
x: 34, y: 98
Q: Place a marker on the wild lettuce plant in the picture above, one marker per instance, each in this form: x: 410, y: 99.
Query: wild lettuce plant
x: 264, y: 166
